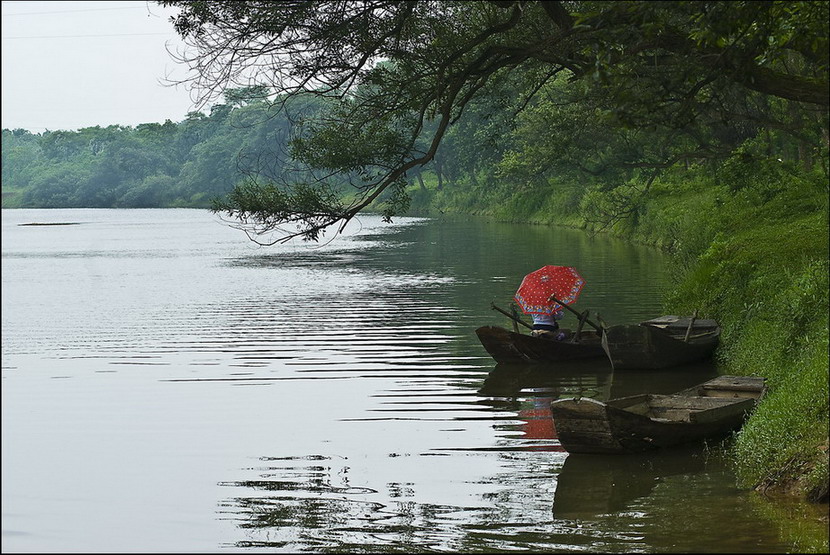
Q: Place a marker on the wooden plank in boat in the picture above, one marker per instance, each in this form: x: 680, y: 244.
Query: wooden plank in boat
x: 662, y: 320
x: 688, y: 403
x: 677, y: 323
x: 734, y: 386
x: 722, y: 413
x: 671, y: 414
x: 755, y: 382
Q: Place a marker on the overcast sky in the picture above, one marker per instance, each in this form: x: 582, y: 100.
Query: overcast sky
x: 72, y: 64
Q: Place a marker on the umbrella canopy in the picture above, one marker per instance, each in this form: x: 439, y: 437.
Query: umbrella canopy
x: 563, y: 282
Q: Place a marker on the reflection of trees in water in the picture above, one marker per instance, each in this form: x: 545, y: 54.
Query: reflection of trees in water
x: 290, y: 521
x: 549, y: 503
x: 679, y: 500
x: 302, y: 503
x: 306, y: 504
x: 310, y: 503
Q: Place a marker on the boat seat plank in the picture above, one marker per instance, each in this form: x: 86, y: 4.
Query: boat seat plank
x: 735, y: 382
x: 723, y: 412
x: 734, y: 386
x: 670, y: 414
x: 734, y: 394
x: 668, y: 319
x: 688, y: 403
x: 675, y: 323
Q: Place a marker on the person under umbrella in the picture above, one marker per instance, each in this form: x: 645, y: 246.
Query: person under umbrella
x: 535, y: 293
x: 546, y: 325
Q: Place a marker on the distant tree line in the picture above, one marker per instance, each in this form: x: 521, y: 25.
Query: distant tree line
x: 244, y: 140
x: 152, y: 165
x: 560, y: 139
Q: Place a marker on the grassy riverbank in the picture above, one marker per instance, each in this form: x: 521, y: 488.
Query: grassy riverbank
x: 749, y: 246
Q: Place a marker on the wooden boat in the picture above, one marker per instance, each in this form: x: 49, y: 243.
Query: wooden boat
x: 660, y: 343
x: 512, y: 347
x: 643, y: 422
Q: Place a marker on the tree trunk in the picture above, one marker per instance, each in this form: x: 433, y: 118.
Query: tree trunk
x: 438, y: 173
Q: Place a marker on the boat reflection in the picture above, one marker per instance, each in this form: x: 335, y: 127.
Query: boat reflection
x: 585, y: 378
x: 590, y: 378
x: 529, y: 390
x: 589, y: 486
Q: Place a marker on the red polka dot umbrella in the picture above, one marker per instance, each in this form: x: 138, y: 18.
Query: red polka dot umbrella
x: 563, y: 282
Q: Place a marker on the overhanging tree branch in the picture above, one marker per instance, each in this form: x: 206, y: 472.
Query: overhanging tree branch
x: 403, y: 72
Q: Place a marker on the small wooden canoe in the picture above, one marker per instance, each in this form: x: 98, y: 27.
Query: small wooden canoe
x: 660, y: 343
x: 511, y: 347
x: 711, y: 410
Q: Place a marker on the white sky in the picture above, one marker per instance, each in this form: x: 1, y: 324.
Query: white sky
x: 74, y: 64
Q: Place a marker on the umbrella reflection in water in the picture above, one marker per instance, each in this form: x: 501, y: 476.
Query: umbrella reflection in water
x: 529, y: 391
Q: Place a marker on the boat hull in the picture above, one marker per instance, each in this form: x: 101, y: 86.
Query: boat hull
x: 511, y: 347
x: 655, y: 346
x: 641, y: 423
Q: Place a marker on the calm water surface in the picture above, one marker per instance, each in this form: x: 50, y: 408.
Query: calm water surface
x: 168, y: 386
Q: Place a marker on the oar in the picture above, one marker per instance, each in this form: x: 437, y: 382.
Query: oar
x: 578, y: 315
x: 689, y: 329
x: 512, y: 317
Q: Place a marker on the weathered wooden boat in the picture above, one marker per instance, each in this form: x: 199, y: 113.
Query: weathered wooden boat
x: 660, y: 343
x: 709, y: 411
x: 513, y: 347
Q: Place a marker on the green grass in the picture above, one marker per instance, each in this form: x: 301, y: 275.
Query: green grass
x: 764, y: 276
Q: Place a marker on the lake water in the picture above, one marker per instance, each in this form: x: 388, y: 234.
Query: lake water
x: 167, y: 386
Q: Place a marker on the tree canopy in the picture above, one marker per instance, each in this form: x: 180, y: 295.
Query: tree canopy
x: 692, y: 77
x: 152, y: 165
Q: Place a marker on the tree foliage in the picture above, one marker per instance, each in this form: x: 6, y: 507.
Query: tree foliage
x: 404, y: 71
x: 152, y: 165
